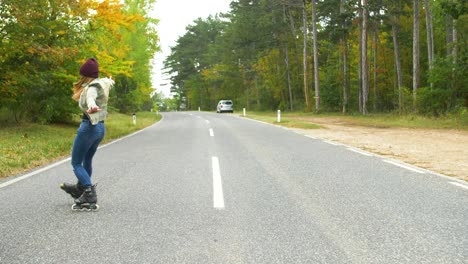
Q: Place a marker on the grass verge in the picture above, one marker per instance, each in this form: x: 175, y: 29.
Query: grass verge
x: 287, y: 120
x: 310, y: 120
x: 27, y: 146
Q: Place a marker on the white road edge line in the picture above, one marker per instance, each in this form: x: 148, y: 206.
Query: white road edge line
x: 20, y: 178
x: 360, y: 152
x: 422, y: 170
x: 218, y: 197
x: 211, y: 132
x: 332, y: 143
x: 5, y: 184
x: 403, y: 166
x: 459, y: 185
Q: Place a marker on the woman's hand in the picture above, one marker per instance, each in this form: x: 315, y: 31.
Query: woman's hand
x: 93, y: 109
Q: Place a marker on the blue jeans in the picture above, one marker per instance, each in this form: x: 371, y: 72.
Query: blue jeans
x: 86, y: 143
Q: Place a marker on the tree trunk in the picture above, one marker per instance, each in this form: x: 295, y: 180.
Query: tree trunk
x: 376, y: 42
x: 257, y: 95
x: 286, y: 61
x: 288, y: 73
x: 360, y: 59
x: 455, y: 41
x: 364, y: 65
x: 345, y: 77
x: 415, y: 50
x: 306, y: 87
x: 396, y: 49
x: 455, y: 59
x: 449, y: 34
x: 430, y: 36
x: 344, y: 56
x: 316, y: 68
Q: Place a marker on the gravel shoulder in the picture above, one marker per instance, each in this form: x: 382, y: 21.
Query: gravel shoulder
x: 438, y: 150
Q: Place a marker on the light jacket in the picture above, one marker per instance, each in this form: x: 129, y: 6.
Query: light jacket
x: 96, y: 93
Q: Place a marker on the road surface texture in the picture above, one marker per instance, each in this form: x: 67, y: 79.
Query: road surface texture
x: 217, y: 188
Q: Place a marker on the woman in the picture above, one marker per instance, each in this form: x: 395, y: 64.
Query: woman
x: 92, y: 94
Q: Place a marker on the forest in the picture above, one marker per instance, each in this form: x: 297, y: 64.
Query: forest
x: 44, y: 42
x: 366, y: 56
x: 344, y: 56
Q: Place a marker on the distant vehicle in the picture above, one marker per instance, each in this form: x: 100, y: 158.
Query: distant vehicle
x: 224, y: 106
x: 182, y: 107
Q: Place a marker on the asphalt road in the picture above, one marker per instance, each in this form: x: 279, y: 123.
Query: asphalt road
x: 202, y: 187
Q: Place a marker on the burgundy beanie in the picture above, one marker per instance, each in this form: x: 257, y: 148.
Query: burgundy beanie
x: 90, y: 68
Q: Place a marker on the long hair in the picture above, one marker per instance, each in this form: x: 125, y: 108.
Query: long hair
x: 79, y: 86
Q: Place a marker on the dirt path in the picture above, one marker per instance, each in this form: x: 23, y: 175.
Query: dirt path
x: 442, y: 151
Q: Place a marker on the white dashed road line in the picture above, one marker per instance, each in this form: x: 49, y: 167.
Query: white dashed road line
x: 218, y: 197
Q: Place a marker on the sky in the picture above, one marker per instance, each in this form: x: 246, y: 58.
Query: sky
x: 174, y: 16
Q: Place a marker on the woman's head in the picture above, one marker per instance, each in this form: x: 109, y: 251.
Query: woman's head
x: 90, y: 69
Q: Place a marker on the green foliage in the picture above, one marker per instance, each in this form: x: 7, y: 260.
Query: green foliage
x: 245, y: 59
x: 122, y: 96
x: 450, y: 79
x: 433, y: 101
x: 193, y: 64
x: 463, y: 116
x: 407, y: 103
x: 43, y: 43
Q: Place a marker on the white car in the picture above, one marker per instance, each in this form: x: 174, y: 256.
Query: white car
x: 224, y: 106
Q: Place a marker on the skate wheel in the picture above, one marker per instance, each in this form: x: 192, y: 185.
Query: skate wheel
x: 75, y: 207
x: 83, y: 208
x: 92, y: 208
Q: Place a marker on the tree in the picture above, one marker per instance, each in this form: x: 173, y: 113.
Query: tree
x: 195, y: 71
x: 340, y: 14
x: 316, y: 67
x: 376, y: 18
x: 430, y: 35
x: 344, y: 54
x: 395, y: 10
x: 43, y: 44
x: 364, y: 65
x: 415, y: 50
x: 37, y: 45
x: 141, y: 40
x: 305, y: 61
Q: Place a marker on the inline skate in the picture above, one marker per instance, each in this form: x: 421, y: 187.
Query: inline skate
x: 87, y: 201
x: 75, y: 190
